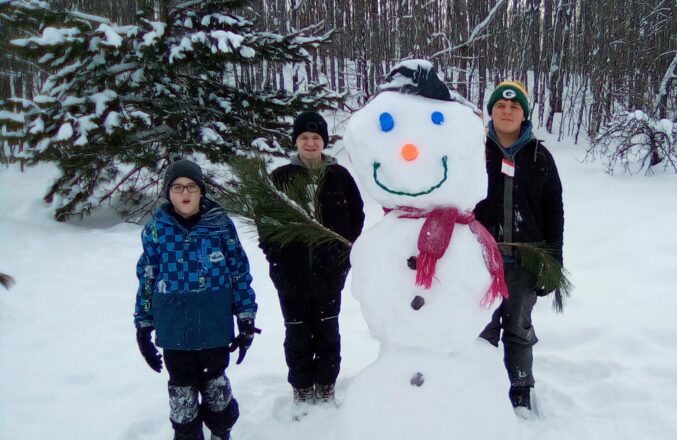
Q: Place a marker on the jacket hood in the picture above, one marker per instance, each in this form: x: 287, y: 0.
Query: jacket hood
x: 525, y: 136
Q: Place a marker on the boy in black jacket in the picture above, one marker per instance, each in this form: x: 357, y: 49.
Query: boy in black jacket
x: 523, y: 204
x: 309, y: 280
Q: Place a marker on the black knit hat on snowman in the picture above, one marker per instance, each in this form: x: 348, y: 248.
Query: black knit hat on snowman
x: 310, y: 122
x: 512, y: 91
x: 418, y: 77
x: 183, y: 168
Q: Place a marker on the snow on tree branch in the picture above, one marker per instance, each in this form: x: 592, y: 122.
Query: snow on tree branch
x: 134, y: 96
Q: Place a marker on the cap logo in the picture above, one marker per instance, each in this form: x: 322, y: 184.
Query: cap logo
x: 509, y: 94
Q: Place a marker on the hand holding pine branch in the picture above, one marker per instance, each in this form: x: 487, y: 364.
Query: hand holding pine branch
x: 281, y: 216
x: 538, y: 259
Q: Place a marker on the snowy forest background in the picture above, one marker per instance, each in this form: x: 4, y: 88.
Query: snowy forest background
x: 603, y: 54
x: 112, y: 91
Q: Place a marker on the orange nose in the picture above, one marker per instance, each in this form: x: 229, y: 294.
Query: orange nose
x: 409, y: 152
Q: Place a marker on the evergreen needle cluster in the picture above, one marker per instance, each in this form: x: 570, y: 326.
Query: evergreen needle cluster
x: 538, y: 260
x: 281, y: 216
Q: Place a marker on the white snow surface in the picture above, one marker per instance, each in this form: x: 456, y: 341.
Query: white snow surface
x: 112, y: 36
x: 51, y: 37
x: 101, y: 100
x: 65, y: 132
x: 605, y: 369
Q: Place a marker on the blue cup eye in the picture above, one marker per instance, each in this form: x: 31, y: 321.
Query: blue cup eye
x: 387, y: 122
x: 437, y: 118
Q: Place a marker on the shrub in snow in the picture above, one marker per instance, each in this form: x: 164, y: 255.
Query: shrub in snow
x: 633, y: 142
x: 122, y: 101
x: 6, y: 281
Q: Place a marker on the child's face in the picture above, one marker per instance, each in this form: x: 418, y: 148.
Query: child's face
x: 185, y: 196
x: 507, y: 116
x: 310, y: 146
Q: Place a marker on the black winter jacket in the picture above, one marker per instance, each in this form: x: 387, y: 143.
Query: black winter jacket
x: 297, y: 269
x: 537, y: 212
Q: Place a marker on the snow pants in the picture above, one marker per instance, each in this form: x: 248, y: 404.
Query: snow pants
x: 312, y: 343
x: 513, y: 316
x: 193, y: 372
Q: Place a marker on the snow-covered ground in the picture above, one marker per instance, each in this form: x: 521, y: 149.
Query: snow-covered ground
x: 70, y: 368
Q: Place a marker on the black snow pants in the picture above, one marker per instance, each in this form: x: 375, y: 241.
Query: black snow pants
x: 312, y: 344
x: 513, y: 316
x: 193, y: 372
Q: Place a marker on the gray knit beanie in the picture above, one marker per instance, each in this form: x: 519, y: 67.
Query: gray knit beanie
x: 183, y: 168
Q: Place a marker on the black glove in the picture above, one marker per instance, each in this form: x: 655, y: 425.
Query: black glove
x: 244, y: 339
x: 147, y: 348
x: 542, y: 292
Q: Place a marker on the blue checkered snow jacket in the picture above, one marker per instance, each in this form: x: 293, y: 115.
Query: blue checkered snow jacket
x: 191, y: 283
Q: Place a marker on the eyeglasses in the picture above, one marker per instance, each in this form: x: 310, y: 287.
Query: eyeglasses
x: 178, y: 188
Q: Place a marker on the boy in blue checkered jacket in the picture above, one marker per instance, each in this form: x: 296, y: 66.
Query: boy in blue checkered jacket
x: 193, y: 277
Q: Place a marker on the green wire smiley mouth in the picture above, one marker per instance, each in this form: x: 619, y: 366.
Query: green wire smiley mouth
x: 377, y: 165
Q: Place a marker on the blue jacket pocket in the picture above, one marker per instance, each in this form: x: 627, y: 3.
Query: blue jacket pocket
x: 169, y: 314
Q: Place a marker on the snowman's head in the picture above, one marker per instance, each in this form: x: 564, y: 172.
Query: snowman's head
x: 410, y: 150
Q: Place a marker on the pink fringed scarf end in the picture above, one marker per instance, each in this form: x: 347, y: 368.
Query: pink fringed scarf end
x: 425, y: 269
x: 494, y: 262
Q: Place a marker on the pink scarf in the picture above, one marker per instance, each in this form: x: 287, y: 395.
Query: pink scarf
x: 434, y: 239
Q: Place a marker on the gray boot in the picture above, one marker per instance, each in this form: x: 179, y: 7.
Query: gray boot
x: 303, y: 399
x: 324, y: 393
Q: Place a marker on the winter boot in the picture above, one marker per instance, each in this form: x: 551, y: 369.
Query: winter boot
x: 184, y: 413
x: 188, y: 431
x: 216, y: 437
x: 324, y: 393
x: 303, y: 398
x: 520, y: 396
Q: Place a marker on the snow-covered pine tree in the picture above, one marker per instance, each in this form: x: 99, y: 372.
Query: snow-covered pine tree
x: 122, y: 101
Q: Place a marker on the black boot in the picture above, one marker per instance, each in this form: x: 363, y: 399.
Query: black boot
x: 520, y: 396
x: 188, y: 431
x: 216, y: 437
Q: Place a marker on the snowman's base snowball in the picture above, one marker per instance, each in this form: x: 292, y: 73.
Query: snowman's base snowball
x: 464, y: 396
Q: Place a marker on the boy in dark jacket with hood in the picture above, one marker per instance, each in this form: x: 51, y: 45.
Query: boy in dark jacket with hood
x: 309, y: 279
x: 193, y: 277
x: 523, y: 204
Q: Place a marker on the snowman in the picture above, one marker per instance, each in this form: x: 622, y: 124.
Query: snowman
x: 427, y: 275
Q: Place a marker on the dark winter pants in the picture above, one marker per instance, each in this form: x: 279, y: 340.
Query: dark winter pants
x: 193, y: 372
x: 312, y: 343
x: 514, y: 317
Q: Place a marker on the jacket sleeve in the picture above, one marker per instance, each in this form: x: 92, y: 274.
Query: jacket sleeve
x: 553, y: 212
x: 147, y: 270
x: 244, y: 299
x: 355, y: 207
